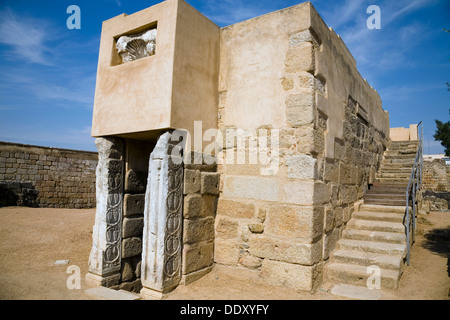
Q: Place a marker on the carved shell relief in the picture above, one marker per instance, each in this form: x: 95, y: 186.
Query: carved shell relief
x: 137, y: 46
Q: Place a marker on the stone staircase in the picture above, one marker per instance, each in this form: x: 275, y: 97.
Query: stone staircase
x: 375, y: 236
x: 393, y: 176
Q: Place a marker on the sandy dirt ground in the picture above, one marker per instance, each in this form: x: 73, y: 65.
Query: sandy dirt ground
x: 31, y: 240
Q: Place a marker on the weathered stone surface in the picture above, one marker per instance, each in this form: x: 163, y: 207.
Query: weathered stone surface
x: 288, y: 84
x: 329, y: 242
x: 299, y: 192
x: 127, y: 273
x: 301, y: 167
x: 131, y: 247
x: 133, y: 204
x: 162, y: 238
x: 191, y: 181
x: 197, y: 257
x: 132, y: 227
x: 290, y: 275
x: 300, y: 58
x: 226, y: 228
x: 198, y: 230
x: 259, y: 188
x: 210, y: 183
x: 199, y: 206
x: 226, y: 252
x: 135, y: 181
x: 300, y: 108
x: 285, y: 249
x: 256, y: 227
x: 295, y: 221
x: 249, y: 261
x: 105, y: 256
x: 237, y: 209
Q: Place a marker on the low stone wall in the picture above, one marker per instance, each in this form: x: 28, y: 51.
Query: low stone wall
x: 201, y: 190
x: 46, y: 177
x: 436, y: 185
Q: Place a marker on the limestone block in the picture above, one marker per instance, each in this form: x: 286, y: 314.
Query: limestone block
x: 329, y: 242
x: 301, y: 167
x: 197, y: 257
x: 132, y: 227
x: 300, y: 58
x: 237, y: 209
x: 191, y: 181
x: 285, y: 249
x: 226, y: 252
x: 135, y: 181
x: 198, y: 230
x: 298, y: 192
x: 226, y: 228
x: 249, y: 261
x: 199, y: 206
x: 295, y: 221
x: 331, y: 171
x: 127, y: 273
x: 244, y: 187
x: 256, y: 227
x: 131, y: 247
x: 133, y: 204
x: 210, y: 183
x: 329, y: 219
x: 303, y: 36
x: 289, y: 275
x: 300, y: 108
x: 288, y: 84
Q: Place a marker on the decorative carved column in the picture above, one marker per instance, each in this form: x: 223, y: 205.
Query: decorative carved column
x: 162, y: 240
x: 105, y: 256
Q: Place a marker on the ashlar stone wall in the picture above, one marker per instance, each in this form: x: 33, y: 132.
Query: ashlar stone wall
x: 63, y: 178
x: 289, y: 77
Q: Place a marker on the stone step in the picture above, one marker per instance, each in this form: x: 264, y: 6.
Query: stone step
x: 387, y: 190
x: 374, y: 194
x: 379, y: 216
x: 401, y: 156
x: 393, y: 169
x: 374, y: 225
x: 404, y: 160
x: 393, y: 209
x: 403, y: 142
x: 358, y: 275
x: 385, y: 202
x: 402, y: 151
x: 384, y: 261
x: 395, y: 175
x: 372, y: 246
x: 103, y: 293
x: 393, y: 180
x: 370, y: 235
x: 356, y: 292
x: 389, y: 185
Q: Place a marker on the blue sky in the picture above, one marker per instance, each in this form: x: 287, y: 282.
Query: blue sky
x: 47, y: 72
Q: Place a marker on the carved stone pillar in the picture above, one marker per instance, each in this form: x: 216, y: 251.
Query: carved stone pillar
x: 105, y: 256
x: 162, y: 240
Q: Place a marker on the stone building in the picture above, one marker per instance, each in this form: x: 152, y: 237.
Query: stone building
x: 248, y: 146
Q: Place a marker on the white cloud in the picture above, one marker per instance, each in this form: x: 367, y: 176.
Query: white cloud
x: 25, y: 36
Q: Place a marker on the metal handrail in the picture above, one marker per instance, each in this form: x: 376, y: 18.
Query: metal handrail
x: 414, y: 186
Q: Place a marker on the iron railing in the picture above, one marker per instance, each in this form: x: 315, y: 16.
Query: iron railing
x: 412, y: 193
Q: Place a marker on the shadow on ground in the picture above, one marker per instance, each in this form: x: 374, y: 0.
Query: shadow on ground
x: 438, y: 241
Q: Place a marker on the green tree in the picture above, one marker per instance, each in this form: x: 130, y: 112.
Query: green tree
x: 442, y: 134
